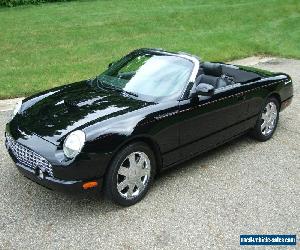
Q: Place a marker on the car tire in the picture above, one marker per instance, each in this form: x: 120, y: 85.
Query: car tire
x: 267, y: 121
x: 130, y: 174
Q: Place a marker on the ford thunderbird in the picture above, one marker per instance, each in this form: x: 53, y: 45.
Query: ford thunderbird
x: 147, y: 112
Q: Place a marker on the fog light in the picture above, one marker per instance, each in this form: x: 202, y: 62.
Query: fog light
x: 90, y: 184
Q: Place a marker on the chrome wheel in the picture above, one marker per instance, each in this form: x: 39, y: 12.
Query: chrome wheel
x: 268, y: 119
x: 133, y: 175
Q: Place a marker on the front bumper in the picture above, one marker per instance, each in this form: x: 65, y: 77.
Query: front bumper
x: 37, y: 173
x: 54, y: 183
x: 51, y: 182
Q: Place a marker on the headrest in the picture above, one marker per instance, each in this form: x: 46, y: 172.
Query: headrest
x: 213, y: 69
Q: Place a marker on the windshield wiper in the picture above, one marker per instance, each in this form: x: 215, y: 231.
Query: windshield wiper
x: 128, y: 92
x: 122, y: 90
x: 108, y: 86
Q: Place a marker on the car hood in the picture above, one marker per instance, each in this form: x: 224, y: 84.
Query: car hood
x: 53, y: 114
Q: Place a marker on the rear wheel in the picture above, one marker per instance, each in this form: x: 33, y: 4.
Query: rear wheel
x: 130, y: 174
x: 267, y: 121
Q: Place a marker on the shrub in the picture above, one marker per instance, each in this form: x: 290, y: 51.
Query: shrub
x: 11, y: 3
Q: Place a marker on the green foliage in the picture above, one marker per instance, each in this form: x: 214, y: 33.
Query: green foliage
x: 47, y: 45
x: 11, y: 3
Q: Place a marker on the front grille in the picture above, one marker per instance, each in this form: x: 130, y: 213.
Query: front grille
x: 28, y: 157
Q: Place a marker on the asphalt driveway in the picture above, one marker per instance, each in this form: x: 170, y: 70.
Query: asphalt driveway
x: 243, y: 187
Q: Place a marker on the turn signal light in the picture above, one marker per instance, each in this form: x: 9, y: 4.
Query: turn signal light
x: 90, y: 184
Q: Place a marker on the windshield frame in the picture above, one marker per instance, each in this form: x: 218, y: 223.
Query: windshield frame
x: 191, y: 80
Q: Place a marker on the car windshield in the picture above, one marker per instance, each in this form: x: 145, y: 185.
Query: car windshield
x: 152, y: 75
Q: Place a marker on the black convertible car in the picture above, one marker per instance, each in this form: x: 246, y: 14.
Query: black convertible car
x: 148, y: 111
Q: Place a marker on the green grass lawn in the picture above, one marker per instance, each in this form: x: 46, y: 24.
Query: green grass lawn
x: 42, y: 46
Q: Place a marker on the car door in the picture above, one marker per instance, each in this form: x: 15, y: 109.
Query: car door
x: 211, y: 120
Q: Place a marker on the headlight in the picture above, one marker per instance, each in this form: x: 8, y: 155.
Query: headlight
x: 74, y: 143
x: 17, y: 108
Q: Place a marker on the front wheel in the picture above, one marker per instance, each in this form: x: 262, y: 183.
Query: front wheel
x: 267, y: 121
x: 130, y: 174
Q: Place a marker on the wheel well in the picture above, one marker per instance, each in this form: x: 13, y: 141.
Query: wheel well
x: 277, y: 96
x: 151, y: 143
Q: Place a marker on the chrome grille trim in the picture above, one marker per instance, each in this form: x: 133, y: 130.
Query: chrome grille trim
x: 28, y: 157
